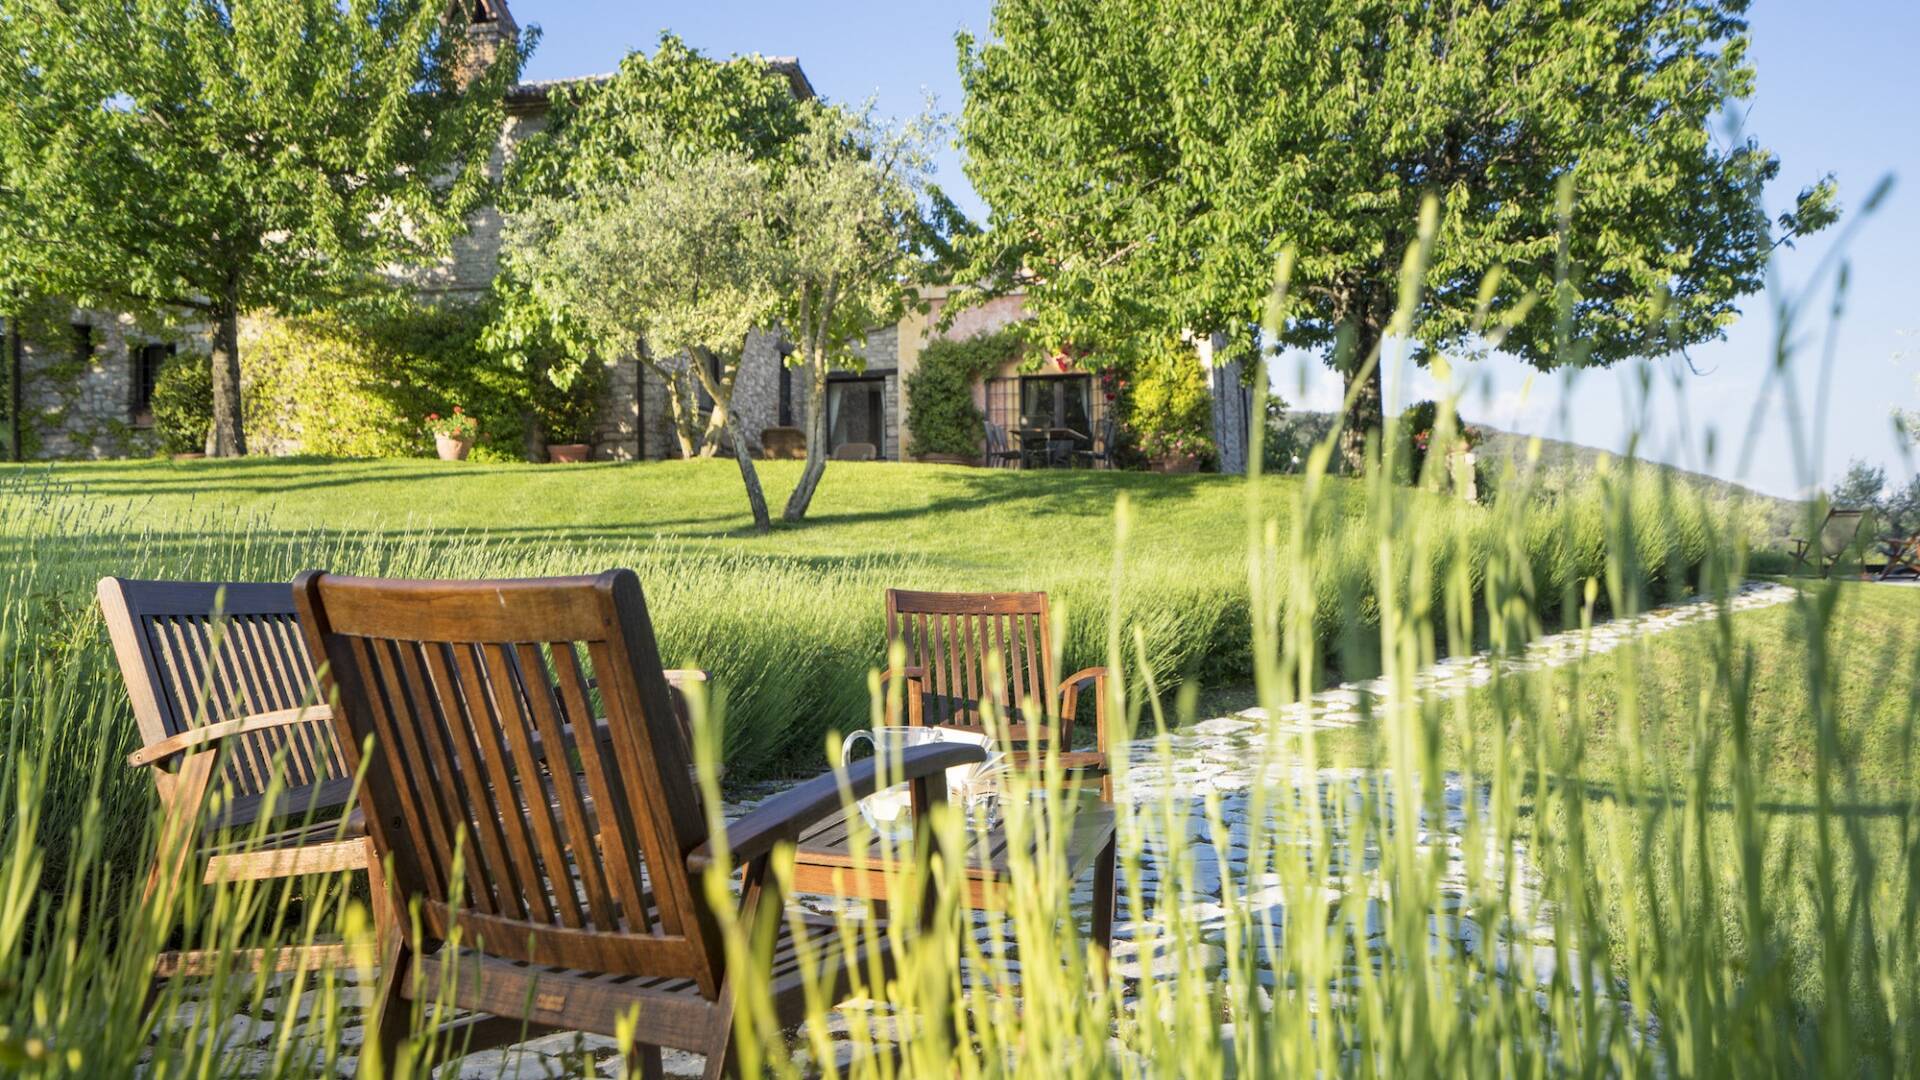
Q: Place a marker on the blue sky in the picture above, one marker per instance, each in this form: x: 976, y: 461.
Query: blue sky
x: 1838, y: 88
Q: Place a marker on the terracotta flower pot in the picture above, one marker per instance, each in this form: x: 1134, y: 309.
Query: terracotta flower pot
x: 1176, y: 463
x: 452, y: 448
x: 568, y: 453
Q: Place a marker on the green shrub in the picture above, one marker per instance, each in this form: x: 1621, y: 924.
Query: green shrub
x: 1172, y: 409
x: 567, y: 414
x: 183, y: 403
x: 362, y: 385
x: 941, y: 415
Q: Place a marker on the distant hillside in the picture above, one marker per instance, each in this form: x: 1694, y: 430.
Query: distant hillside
x: 1561, y: 464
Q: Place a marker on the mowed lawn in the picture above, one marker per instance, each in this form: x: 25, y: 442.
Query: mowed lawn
x: 789, y: 623
x: 993, y: 523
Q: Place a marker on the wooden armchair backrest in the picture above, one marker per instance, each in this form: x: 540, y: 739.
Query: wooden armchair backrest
x: 172, y: 652
x: 574, y: 863
x: 951, y: 636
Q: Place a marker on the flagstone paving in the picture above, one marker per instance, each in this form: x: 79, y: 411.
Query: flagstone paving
x: 1224, y: 757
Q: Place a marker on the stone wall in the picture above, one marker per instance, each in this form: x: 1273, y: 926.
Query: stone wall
x: 82, y: 406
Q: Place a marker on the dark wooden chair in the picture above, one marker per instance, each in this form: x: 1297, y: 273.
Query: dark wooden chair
x: 579, y: 901
x: 1837, y: 537
x: 1902, y: 553
x: 1000, y: 453
x: 226, y: 702
x: 1100, y: 454
x: 948, y: 638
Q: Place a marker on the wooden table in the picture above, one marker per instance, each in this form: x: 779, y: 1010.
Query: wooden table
x: 824, y: 863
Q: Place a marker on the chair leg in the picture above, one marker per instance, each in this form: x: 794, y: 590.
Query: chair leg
x: 723, y: 1058
x: 386, y: 914
x: 1103, y: 873
x: 392, y: 1015
x: 646, y: 1062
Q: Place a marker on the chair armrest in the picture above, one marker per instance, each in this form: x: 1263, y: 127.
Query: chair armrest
x: 1071, y: 686
x: 783, y: 817
x: 209, y: 734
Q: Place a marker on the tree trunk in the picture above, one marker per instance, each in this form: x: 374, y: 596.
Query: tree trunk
x: 227, y: 437
x: 1365, y: 413
x: 802, y: 496
x: 722, y: 393
x: 14, y: 369
x: 676, y: 410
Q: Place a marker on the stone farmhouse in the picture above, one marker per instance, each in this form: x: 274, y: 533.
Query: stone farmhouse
x: 89, y: 396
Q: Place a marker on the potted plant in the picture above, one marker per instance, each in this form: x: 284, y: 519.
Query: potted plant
x: 1175, y: 451
x: 567, y: 414
x: 453, y: 434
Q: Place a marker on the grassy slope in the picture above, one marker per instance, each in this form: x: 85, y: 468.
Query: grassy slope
x: 986, y: 525
x: 789, y: 622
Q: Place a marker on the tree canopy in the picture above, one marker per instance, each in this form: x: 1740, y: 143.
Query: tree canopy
x: 606, y: 134
x: 218, y: 157
x: 683, y: 258
x: 1146, y: 165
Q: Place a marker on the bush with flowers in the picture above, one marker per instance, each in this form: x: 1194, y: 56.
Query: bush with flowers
x: 1418, y: 425
x: 1170, y: 412
x: 458, y: 424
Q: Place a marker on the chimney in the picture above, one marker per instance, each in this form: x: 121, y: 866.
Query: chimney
x: 490, y: 28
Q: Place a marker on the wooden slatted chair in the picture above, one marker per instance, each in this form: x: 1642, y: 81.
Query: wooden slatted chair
x: 582, y: 899
x: 256, y: 684
x: 1838, y: 536
x: 948, y: 638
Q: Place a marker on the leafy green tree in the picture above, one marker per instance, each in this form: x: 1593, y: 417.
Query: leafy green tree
x: 606, y: 135
x: 218, y: 157
x: 1147, y: 162
x: 1861, y: 486
x: 852, y: 217
x: 681, y: 257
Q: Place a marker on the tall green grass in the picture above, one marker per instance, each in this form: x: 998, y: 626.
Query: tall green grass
x: 1610, y: 868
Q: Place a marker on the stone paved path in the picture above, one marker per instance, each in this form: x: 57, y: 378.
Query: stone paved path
x: 1223, y: 756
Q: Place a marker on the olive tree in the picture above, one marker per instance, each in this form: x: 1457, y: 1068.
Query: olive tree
x: 680, y: 257
x: 851, y: 221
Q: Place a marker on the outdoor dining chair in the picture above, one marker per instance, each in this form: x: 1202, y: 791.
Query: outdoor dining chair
x: 999, y: 449
x: 578, y: 900
x: 965, y: 653
x: 1836, y: 538
x: 228, y: 703
x: 224, y: 695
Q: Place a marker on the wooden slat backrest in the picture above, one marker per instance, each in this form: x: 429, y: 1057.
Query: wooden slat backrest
x: 1839, y: 531
x: 251, y: 660
x: 952, y: 636
x: 575, y: 863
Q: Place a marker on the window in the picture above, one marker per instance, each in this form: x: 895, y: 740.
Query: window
x: 1058, y: 403
x: 857, y: 413
x: 82, y: 342
x: 147, y: 361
